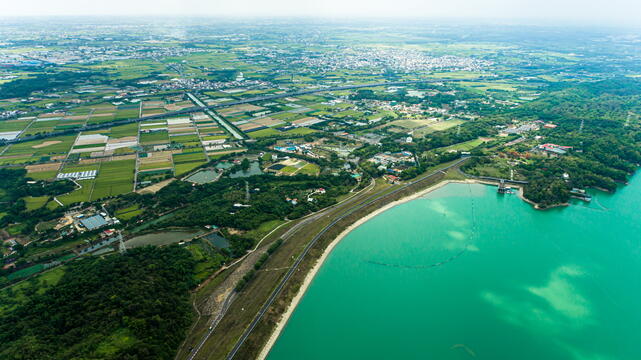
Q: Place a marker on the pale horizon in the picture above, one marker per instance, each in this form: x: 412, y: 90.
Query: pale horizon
x: 589, y: 12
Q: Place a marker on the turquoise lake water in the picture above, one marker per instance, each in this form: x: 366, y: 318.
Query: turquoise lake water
x: 466, y: 273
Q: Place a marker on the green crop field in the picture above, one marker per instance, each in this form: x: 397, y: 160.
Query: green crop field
x: 15, y: 125
x: 43, y: 175
x: 300, y: 131
x: 80, y: 195
x: 124, y: 130
x: 156, y: 137
x: 309, y: 169
x: 188, y: 157
x: 287, y: 116
x: 465, y: 146
x: 438, y: 126
x: 155, y: 165
x: 129, y: 212
x: 412, y: 123
x: 184, y: 139
x: 264, y: 133
x: 49, y: 146
x: 114, y: 178
x: 183, y: 168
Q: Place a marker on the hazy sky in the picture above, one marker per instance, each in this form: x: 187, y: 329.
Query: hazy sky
x: 595, y: 11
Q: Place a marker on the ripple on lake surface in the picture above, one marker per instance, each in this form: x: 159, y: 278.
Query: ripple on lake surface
x: 529, y: 285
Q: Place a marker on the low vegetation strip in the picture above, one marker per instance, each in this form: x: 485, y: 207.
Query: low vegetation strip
x: 261, y: 261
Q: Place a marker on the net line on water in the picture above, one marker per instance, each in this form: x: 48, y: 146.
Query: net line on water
x: 440, y: 263
x: 596, y: 200
x: 446, y: 261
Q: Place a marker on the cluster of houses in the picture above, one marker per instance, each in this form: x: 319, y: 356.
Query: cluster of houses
x: 393, y: 163
x: 309, y: 197
x: 301, y: 149
x: 10, y: 253
x: 552, y: 149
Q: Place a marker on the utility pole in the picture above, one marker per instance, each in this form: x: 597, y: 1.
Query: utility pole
x: 247, y: 196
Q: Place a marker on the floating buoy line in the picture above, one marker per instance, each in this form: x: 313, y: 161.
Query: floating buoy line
x: 446, y: 261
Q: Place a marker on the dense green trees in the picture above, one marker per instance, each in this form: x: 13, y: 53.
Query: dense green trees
x: 45, y: 81
x: 132, y: 306
x: 605, y: 149
x: 223, y: 203
x: 214, y: 203
x: 14, y: 185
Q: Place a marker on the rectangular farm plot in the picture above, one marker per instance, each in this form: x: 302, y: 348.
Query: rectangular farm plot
x: 154, y: 137
x: 153, y: 112
x: 130, y: 113
x: 215, y: 136
x: 187, y: 140
x: 13, y: 125
x: 165, y: 165
x: 89, y: 143
x: 17, y: 159
x: 11, y: 129
x: 114, y: 178
x: 101, y: 118
x: 249, y: 127
x: 299, y: 131
x: 43, y: 175
x: 153, y: 123
x: 287, y: 116
x: 238, y: 109
x: 189, y: 157
x: 308, y: 121
x: 91, y: 139
x: 213, y: 130
x: 153, y: 105
x: 155, y: 161
x: 124, y: 130
x: 46, y: 147
x: 178, y: 121
x: 121, y: 143
x: 264, y: 133
x: 268, y: 121
x: 185, y: 162
x: 42, y: 168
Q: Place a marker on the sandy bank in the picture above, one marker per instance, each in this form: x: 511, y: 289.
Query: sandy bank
x: 312, y: 273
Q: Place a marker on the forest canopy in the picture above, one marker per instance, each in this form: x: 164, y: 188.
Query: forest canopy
x: 131, y: 306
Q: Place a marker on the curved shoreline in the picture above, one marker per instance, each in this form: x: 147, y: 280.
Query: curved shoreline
x: 282, y: 322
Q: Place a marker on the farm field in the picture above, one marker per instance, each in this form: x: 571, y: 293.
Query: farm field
x: 79, y: 195
x: 437, y: 126
x: 114, y: 178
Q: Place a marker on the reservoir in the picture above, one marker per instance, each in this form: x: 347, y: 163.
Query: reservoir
x: 466, y: 273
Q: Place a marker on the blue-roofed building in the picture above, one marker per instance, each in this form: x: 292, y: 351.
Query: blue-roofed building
x: 94, y: 222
